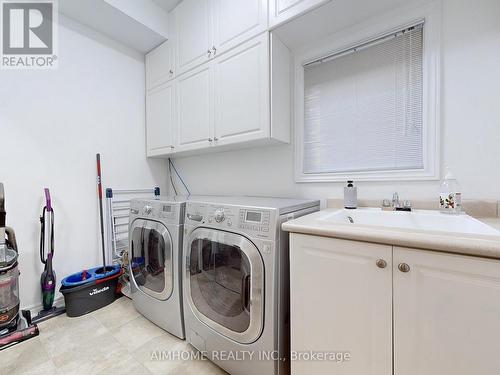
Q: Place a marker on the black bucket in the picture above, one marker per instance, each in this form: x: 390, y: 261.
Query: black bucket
x: 91, y: 294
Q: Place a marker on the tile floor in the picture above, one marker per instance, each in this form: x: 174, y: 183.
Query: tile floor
x: 114, y: 339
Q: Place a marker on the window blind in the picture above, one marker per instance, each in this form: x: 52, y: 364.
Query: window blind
x: 364, y: 107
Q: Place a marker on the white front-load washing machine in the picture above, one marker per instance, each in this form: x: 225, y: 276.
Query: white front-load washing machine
x: 155, y: 257
x: 236, y: 281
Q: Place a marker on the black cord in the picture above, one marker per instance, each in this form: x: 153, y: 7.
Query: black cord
x: 178, y: 175
x: 170, y: 174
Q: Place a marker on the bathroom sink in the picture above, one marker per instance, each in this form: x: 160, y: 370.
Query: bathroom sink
x: 420, y: 220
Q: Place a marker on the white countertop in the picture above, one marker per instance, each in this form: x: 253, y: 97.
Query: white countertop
x: 459, y: 243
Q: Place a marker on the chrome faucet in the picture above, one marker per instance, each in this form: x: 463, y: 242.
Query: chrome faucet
x: 395, y: 200
x: 395, y: 204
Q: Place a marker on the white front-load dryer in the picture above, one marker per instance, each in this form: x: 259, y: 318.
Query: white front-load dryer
x: 155, y: 250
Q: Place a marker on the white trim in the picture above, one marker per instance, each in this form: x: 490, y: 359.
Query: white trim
x: 393, y: 21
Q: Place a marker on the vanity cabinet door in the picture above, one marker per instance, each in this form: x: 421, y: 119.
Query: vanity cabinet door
x: 446, y: 314
x: 341, y: 301
x: 236, y: 21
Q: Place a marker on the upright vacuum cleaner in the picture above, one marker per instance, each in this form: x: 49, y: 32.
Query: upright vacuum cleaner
x: 15, y: 324
x: 48, y: 278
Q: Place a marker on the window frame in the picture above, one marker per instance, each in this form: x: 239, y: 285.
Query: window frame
x: 363, y: 32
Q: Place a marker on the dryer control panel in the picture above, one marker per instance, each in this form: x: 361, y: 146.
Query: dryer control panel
x: 167, y: 212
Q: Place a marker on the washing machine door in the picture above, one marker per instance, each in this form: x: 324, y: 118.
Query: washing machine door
x: 225, y: 283
x: 151, y: 258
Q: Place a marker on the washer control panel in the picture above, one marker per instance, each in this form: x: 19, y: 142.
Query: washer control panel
x: 253, y: 221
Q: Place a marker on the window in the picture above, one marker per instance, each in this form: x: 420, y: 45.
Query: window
x: 364, y: 112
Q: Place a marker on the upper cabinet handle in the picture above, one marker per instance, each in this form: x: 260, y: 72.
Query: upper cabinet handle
x: 214, y: 49
x: 171, y: 71
x: 209, y: 53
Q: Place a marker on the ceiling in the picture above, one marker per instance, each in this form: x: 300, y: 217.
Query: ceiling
x: 167, y: 5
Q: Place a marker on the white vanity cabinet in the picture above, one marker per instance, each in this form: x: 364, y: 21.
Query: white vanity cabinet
x: 341, y: 302
x: 159, y: 65
x: 281, y: 11
x: 160, y: 119
x: 446, y: 314
x: 416, y: 313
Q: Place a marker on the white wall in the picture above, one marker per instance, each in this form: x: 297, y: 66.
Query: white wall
x: 470, y: 126
x: 52, y: 123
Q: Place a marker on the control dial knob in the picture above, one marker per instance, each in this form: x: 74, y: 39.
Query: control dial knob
x: 147, y: 209
x: 219, y: 215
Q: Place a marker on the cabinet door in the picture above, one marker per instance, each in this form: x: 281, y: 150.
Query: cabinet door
x: 242, y: 93
x: 341, y: 301
x: 159, y: 65
x: 236, y: 21
x: 446, y: 314
x: 160, y: 119
x: 195, y: 109
x: 194, y: 33
x: 281, y: 11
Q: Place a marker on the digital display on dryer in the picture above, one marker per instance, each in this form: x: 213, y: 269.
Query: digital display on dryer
x: 167, y: 208
x: 254, y: 217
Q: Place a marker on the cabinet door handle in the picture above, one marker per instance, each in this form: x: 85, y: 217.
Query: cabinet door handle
x: 403, y: 267
x: 216, y: 139
x: 214, y: 49
x: 381, y: 263
x: 209, y: 53
x: 171, y: 71
x: 172, y: 147
x: 210, y: 139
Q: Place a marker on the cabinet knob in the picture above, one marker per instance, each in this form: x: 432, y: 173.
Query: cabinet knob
x: 214, y: 49
x: 210, y: 139
x: 172, y: 147
x: 216, y: 139
x: 209, y: 52
x: 403, y: 267
x: 381, y: 263
x: 171, y: 71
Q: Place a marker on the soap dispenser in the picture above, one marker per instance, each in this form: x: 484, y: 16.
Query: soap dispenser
x: 350, y: 196
x: 450, y: 194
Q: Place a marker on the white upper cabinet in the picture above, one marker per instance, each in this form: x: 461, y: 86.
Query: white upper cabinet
x: 195, y: 109
x: 242, y: 93
x: 446, y: 314
x: 236, y: 21
x: 160, y: 119
x: 341, y: 296
x: 281, y: 11
x: 193, y: 20
x: 159, y: 65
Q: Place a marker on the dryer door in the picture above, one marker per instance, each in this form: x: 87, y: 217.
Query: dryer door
x: 151, y: 258
x: 225, y: 283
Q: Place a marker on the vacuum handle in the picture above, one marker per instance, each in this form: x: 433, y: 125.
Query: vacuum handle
x: 2, y: 206
x: 48, y: 201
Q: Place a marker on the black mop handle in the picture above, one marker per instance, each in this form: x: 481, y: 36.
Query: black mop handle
x: 99, y: 190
